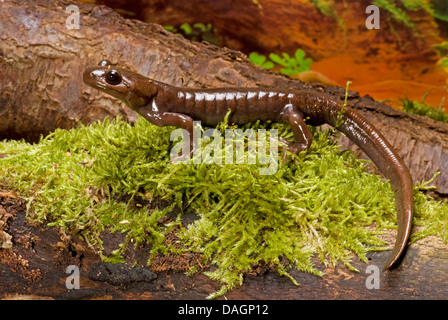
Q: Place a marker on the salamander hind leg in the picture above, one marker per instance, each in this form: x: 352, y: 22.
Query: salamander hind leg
x: 302, y: 133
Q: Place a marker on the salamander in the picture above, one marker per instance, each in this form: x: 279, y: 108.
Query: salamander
x: 166, y: 105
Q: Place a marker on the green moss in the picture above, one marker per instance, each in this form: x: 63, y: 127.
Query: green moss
x: 423, y: 109
x: 321, y: 203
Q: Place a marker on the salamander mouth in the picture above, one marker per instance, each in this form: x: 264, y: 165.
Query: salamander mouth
x: 95, y: 78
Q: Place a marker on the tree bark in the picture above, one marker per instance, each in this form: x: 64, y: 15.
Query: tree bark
x: 41, y: 89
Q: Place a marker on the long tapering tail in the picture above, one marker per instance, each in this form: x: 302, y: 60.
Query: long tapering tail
x: 378, y: 149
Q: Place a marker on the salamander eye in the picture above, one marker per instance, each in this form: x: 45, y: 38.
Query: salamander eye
x: 113, y: 77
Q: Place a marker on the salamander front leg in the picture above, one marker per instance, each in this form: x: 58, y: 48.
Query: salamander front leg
x: 302, y: 134
x: 182, y: 121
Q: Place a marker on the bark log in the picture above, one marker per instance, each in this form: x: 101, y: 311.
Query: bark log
x: 41, y: 89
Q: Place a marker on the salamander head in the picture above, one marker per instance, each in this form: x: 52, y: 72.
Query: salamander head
x: 132, y: 88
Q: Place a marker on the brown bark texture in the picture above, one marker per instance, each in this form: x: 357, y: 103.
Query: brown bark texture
x: 41, y: 89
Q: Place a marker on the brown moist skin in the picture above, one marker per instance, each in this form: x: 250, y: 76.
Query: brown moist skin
x: 166, y: 105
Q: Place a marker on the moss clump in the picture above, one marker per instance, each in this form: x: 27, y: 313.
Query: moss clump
x: 321, y: 203
x: 423, y: 109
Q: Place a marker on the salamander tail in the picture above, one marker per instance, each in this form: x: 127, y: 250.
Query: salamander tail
x: 375, y: 145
